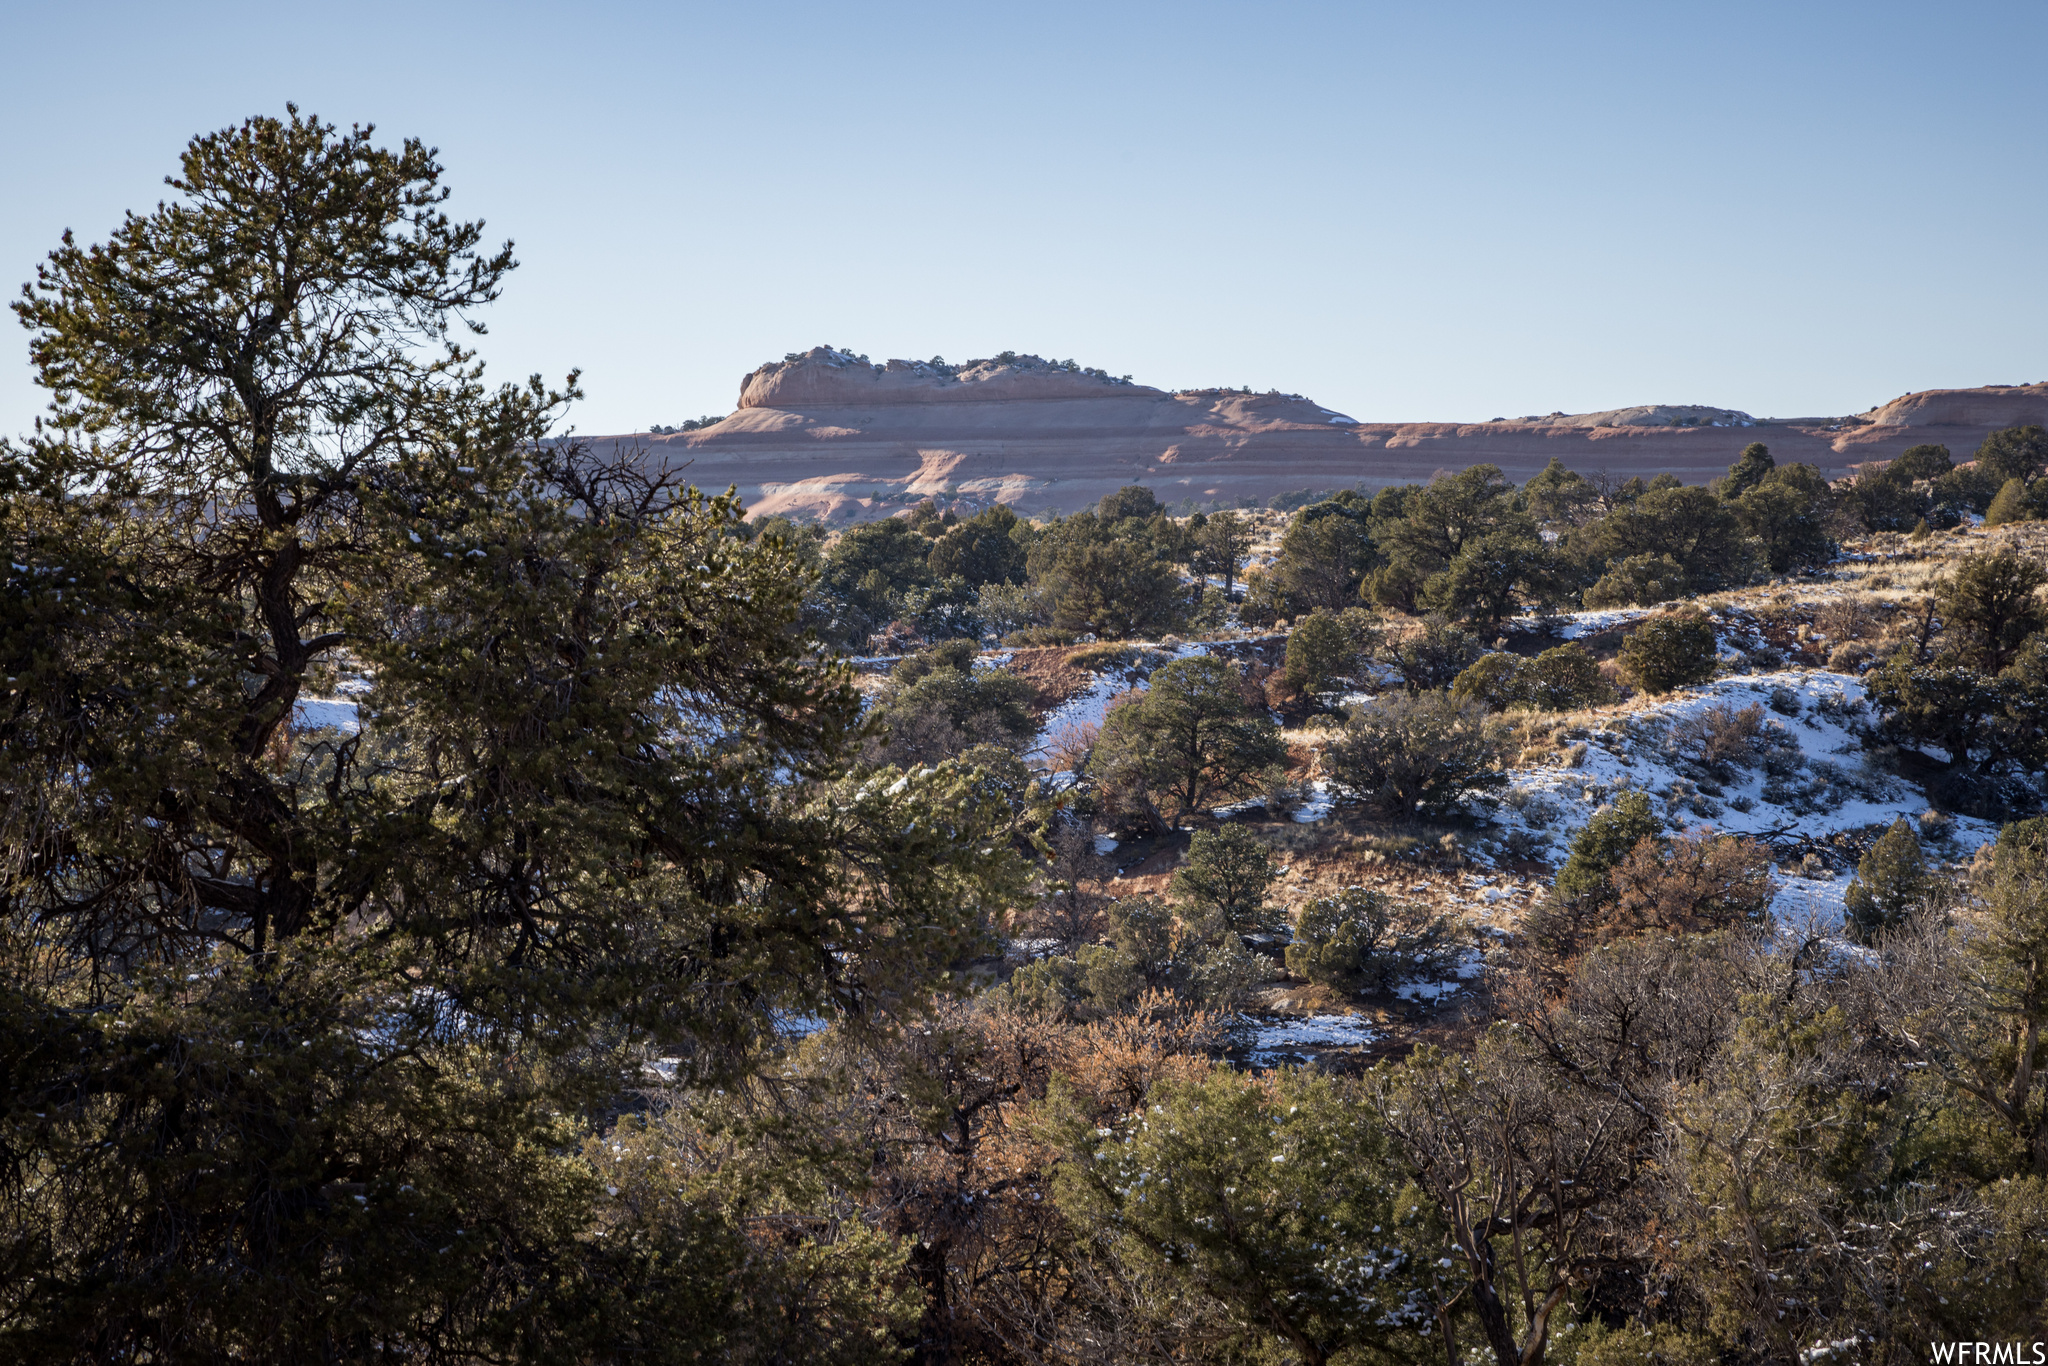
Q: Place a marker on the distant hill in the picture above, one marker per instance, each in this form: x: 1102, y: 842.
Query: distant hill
x: 829, y: 433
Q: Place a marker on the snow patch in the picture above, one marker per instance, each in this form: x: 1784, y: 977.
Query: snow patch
x: 1821, y: 785
x: 326, y: 713
x: 1274, y: 1040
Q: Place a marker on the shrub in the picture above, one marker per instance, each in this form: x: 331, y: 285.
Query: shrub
x: 1434, y: 656
x: 1106, y: 655
x: 1359, y: 940
x: 1403, y: 755
x: 1669, y: 651
x: 1492, y: 680
x: 1226, y: 876
x: 1565, y: 678
x: 1639, y: 580
x: 1850, y: 657
x: 1037, y: 637
x: 1721, y: 737
x: 1689, y: 884
x: 937, y: 706
x: 1892, y: 880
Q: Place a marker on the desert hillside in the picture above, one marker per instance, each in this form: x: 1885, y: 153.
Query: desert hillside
x: 828, y: 433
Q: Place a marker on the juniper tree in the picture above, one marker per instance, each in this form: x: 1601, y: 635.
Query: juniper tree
x: 1227, y: 874
x: 1321, y: 647
x: 1222, y: 541
x: 1990, y: 605
x: 1892, y: 880
x: 1669, y: 651
x: 1748, y: 470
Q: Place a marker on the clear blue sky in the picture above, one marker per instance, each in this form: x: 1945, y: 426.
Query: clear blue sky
x: 1444, y: 210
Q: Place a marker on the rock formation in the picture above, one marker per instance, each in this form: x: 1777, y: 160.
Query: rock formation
x: 828, y: 433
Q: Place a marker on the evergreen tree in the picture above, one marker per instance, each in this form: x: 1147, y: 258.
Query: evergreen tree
x: 1892, y: 880
x: 2013, y: 453
x: 2011, y: 505
x: 1227, y: 874
x: 1321, y: 647
x: 1923, y: 462
x: 986, y: 548
x: 1788, y: 514
x: 1669, y: 651
x: 1990, y: 605
x: 1700, y: 532
x: 1560, y: 497
x: 1115, y: 589
x: 1603, y: 843
x: 1132, y: 500
x: 309, y: 1012
x: 1223, y: 540
x: 1748, y: 470
x: 1482, y: 582
x: 1191, y: 736
x: 1325, y: 554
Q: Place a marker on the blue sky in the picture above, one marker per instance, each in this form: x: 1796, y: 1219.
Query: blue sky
x: 1446, y: 210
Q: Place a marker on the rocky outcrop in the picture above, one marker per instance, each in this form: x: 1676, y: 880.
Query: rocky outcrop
x: 1991, y: 407
x: 823, y: 376
x: 830, y: 433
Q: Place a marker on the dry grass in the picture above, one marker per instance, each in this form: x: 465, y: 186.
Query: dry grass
x: 1051, y: 674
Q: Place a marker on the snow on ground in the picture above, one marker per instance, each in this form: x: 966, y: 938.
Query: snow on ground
x: 1734, y: 628
x: 1079, y: 711
x: 1809, y: 779
x: 1274, y: 1041
x: 326, y: 713
x: 1819, y: 901
x: 1089, y: 708
x: 1318, y: 804
x: 1471, y: 965
x: 1572, y: 625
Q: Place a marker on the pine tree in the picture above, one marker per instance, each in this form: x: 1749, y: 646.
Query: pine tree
x: 1892, y: 880
x: 316, y: 1008
x: 1191, y: 736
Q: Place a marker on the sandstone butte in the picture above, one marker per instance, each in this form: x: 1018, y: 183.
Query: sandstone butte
x: 827, y: 434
